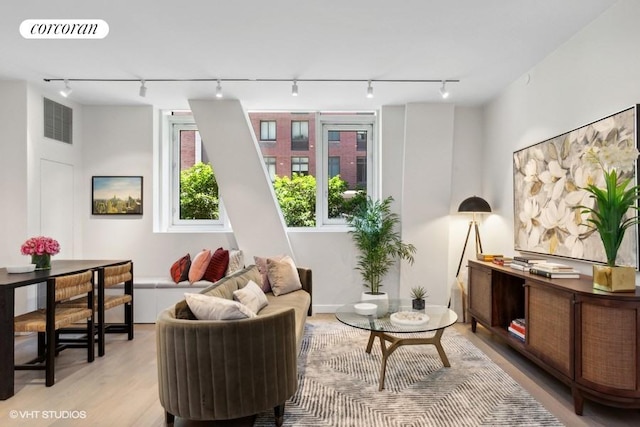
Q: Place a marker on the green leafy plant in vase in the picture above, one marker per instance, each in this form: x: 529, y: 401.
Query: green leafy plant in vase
x: 377, y: 238
x: 610, y: 212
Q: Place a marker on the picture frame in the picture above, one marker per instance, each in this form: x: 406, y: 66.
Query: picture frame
x: 116, y: 195
x: 548, y: 184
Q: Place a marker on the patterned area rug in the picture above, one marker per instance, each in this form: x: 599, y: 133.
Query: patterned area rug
x: 338, y: 385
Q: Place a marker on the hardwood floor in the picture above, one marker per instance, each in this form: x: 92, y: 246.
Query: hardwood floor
x: 120, y: 389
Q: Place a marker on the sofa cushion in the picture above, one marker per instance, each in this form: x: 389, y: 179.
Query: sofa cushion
x: 283, y: 276
x: 251, y: 296
x: 261, y: 262
x: 217, y: 265
x: 180, y: 269
x: 199, y: 265
x: 206, y: 307
x: 223, y: 288
x: 236, y: 261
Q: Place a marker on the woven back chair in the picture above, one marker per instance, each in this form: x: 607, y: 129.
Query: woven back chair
x: 109, y: 279
x: 56, y: 316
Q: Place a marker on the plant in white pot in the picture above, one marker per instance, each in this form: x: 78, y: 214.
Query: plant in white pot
x: 377, y: 238
x: 610, y: 214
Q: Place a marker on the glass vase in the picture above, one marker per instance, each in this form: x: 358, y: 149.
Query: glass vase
x: 42, y: 262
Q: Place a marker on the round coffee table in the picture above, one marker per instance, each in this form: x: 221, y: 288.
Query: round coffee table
x: 381, y: 326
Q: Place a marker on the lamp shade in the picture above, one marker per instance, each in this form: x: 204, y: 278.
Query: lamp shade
x: 474, y: 204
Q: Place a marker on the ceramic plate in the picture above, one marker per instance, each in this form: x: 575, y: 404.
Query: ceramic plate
x: 409, y: 318
x: 26, y: 268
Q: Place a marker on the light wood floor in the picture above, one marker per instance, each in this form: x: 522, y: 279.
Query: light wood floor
x: 120, y: 389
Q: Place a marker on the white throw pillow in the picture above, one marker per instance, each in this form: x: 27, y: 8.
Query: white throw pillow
x: 283, y: 275
x: 236, y: 261
x: 207, y: 307
x: 251, y: 296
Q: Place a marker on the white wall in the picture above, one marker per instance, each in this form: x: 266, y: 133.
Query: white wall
x: 591, y: 76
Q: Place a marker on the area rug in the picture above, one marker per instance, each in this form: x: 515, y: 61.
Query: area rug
x: 338, y: 385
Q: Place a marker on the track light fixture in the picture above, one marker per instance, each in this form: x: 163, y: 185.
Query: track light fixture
x: 67, y: 89
x: 369, y: 90
x: 143, y: 89
x: 219, y: 90
x: 294, y: 88
x: 443, y: 90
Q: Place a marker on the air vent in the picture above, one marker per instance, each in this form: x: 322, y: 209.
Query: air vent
x: 58, y: 121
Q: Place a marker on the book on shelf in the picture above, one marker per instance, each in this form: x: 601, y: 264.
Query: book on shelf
x: 518, y: 328
x: 519, y: 321
x: 554, y: 267
x: 487, y: 257
x: 502, y: 260
x: 519, y: 267
x: 527, y: 260
x: 515, y: 333
x: 554, y: 275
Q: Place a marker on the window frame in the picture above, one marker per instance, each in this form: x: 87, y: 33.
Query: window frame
x: 166, y: 218
x: 275, y: 131
x: 300, y: 144
x: 368, y: 122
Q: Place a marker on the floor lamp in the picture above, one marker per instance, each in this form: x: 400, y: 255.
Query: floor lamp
x: 473, y: 205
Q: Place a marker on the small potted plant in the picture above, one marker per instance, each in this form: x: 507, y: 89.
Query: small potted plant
x: 417, y: 294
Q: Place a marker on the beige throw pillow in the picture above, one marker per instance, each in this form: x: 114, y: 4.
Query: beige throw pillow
x: 251, y: 296
x: 283, y: 275
x: 206, y: 307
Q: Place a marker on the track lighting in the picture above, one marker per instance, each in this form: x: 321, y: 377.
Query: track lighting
x: 219, y: 90
x: 143, y: 89
x: 67, y: 89
x: 294, y: 88
x: 369, y: 90
x: 443, y: 90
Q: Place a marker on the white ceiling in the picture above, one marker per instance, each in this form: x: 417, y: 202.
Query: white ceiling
x: 485, y: 44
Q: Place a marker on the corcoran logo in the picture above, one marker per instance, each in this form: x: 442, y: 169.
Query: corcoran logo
x: 64, y: 29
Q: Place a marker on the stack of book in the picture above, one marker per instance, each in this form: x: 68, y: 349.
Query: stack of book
x: 554, y: 270
x: 524, y: 263
x: 518, y: 329
x: 502, y: 260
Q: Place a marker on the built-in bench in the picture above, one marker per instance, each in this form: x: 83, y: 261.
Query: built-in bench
x: 151, y: 295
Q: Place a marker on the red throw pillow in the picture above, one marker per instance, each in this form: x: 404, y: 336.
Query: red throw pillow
x: 217, y: 266
x: 180, y: 269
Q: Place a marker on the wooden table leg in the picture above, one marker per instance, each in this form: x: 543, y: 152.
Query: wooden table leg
x: 7, y: 344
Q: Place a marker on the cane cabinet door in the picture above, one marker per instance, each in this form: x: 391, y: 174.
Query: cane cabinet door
x: 480, y: 294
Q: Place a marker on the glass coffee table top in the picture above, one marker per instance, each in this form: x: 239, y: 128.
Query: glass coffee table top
x: 439, y: 317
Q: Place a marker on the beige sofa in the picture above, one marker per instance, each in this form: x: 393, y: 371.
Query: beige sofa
x: 227, y: 369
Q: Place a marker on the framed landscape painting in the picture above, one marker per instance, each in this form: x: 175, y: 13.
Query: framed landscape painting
x: 116, y: 195
x: 548, y: 182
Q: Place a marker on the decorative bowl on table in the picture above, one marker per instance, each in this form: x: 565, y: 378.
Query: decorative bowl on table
x: 408, y: 318
x: 24, y: 268
x: 365, y: 308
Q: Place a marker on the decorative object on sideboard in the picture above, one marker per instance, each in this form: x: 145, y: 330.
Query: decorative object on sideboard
x: 40, y: 248
x: 474, y: 205
x: 418, y: 293
x: 549, y: 183
x: 116, y: 195
x: 609, y: 211
x: 376, y: 236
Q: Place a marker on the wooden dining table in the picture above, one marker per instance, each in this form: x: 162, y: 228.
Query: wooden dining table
x: 9, y: 282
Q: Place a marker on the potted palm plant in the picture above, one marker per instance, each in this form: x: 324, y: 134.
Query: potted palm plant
x: 376, y: 236
x: 418, y: 294
x: 610, y: 213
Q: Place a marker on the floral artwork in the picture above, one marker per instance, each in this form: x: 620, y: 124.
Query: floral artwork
x: 549, y: 187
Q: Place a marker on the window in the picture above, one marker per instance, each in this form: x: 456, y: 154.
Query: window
x: 267, y: 130
x: 189, y: 198
x: 361, y: 172
x: 300, y: 165
x: 361, y: 141
x: 334, y: 166
x: 316, y: 183
x: 270, y: 164
x: 299, y: 135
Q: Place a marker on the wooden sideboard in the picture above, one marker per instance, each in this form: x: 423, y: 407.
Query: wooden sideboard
x: 588, y: 339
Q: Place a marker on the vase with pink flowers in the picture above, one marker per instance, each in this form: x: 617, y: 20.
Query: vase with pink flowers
x: 40, y: 248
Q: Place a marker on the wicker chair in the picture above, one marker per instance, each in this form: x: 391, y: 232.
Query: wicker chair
x: 46, y: 322
x: 108, y: 277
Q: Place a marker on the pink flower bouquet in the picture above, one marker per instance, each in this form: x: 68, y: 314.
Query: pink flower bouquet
x: 40, y: 245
